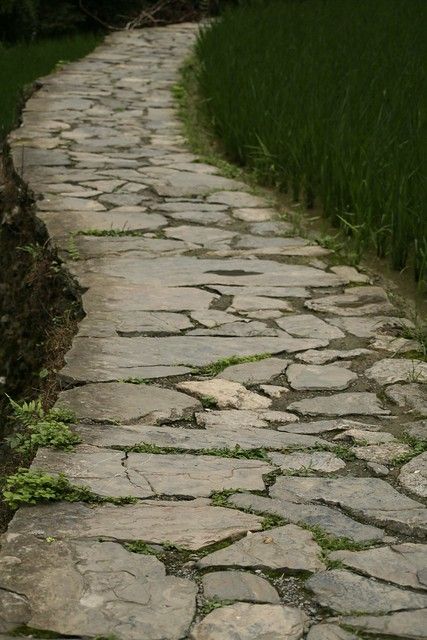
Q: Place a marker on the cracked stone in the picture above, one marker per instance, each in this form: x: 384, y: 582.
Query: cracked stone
x: 413, y: 475
x: 394, y: 344
x: 193, y: 439
x: 256, y: 303
x: 322, y: 461
x: 308, y: 326
x: 355, y: 301
x: 205, y: 236
x: 287, y: 548
x: 391, y: 370
x: 340, y: 404
x: 92, y: 587
x: 190, y: 475
x: 362, y: 435
x: 330, y: 520
x: 255, y: 372
x: 243, y: 621
x: 310, y: 376
x: 238, y: 585
x: 405, y: 625
x: 226, y: 394
x: 14, y: 608
x: 321, y: 426
x: 412, y: 395
x: 124, y: 402
x: 312, y: 356
x: 118, y: 358
x: 399, y: 564
x: 239, y: 329
x: 191, y: 524
x: 345, y: 592
x: 370, y: 497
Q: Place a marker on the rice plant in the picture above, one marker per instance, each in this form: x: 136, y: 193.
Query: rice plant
x: 326, y: 99
x: 22, y: 63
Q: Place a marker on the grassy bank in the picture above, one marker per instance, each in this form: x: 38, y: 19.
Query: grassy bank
x: 324, y: 99
x: 22, y: 63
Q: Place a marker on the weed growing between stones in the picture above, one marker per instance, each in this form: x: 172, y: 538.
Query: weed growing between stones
x: 136, y: 381
x: 208, y: 402
x: 110, y: 233
x: 220, y: 498
x: 210, y: 605
x: 39, y: 428
x: 72, y: 248
x: 272, y: 520
x: 214, y: 368
x: 417, y: 448
x: 32, y: 487
x: 331, y: 543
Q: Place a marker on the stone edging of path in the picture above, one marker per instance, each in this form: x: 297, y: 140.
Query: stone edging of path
x: 244, y: 396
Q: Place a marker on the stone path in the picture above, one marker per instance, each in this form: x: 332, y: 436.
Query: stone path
x: 250, y: 398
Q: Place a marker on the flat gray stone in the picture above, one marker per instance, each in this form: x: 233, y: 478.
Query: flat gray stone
x: 355, y: 301
x: 412, y: 395
x: 384, y: 453
x: 370, y: 497
x: 330, y: 520
x: 254, y: 215
x: 345, y: 592
x: 238, y: 199
x: 312, y: 356
x: 226, y: 394
x: 90, y: 587
x: 66, y: 203
x: 169, y: 182
x: 316, y: 377
x: 365, y: 435
x: 124, y: 402
x: 309, y: 326
x: 189, y: 475
x: 322, y: 461
x: 238, y: 585
x: 413, y: 475
x: 329, y: 632
x: 194, y: 439
x: 286, y: 548
x: 191, y: 524
x: 14, y: 611
x: 340, y: 404
x: 213, y: 318
x: 391, y: 370
x: 270, y: 291
x: 405, y: 625
x: 102, y: 471
x: 394, y: 344
x: 399, y: 564
x: 246, y: 328
x: 243, y: 303
x: 321, y: 426
x: 243, y: 621
x: 417, y: 430
x: 365, y: 327
x: 204, y: 236
x: 255, y: 372
x: 105, y: 359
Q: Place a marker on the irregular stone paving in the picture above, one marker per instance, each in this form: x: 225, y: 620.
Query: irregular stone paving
x: 269, y: 495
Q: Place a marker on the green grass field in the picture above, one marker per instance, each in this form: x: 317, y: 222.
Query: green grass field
x: 22, y: 63
x: 325, y: 99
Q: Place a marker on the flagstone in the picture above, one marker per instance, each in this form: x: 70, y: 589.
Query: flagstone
x: 306, y: 377
x: 340, y: 404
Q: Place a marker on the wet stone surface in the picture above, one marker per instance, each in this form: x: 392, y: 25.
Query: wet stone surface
x: 241, y: 401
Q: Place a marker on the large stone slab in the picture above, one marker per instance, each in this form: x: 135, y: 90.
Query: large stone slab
x: 104, y: 359
x: 401, y: 564
x: 322, y: 426
x: 355, y: 301
x: 413, y: 475
x: 287, y: 548
x: 125, y: 402
x: 330, y: 520
x: 370, y: 497
x: 309, y: 326
x: 226, y: 394
x: 255, y: 372
x: 250, y: 329
x: 329, y: 632
x: 88, y: 588
x: 322, y: 461
x: 345, y: 592
x: 391, y: 370
x: 238, y: 585
x: 405, y: 625
x: 312, y: 356
x: 310, y: 376
x: 340, y: 404
x: 367, y: 327
x: 170, y: 182
x: 243, y: 621
x: 189, y: 475
x: 241, y: 418
x: 191, y: 524
x: 194, y: 439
